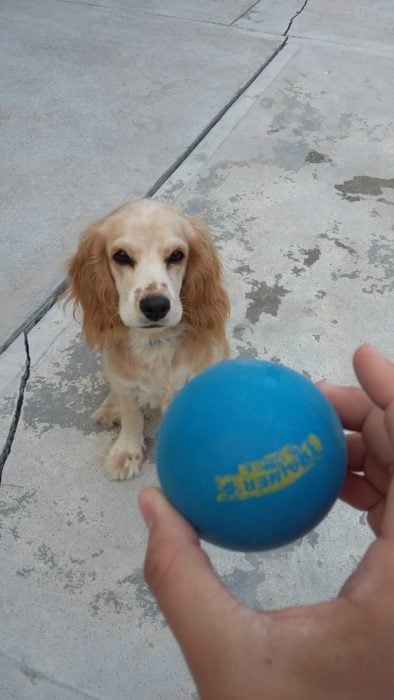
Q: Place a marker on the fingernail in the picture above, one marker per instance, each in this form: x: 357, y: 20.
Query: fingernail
x: 147, y: 511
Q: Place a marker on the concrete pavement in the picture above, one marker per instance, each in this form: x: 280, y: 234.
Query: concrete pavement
x: 296, y: 181
x: 98, y: 103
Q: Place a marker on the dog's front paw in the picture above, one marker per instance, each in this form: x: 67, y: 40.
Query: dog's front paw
x: 121, y: 463
x: 108, y: 414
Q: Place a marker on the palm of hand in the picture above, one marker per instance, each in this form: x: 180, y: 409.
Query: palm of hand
x: 340, y: 649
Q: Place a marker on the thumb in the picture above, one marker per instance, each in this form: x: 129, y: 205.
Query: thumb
x: 192, y: 598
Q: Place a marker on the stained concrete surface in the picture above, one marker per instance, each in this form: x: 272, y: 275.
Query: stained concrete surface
x: 295, y: 182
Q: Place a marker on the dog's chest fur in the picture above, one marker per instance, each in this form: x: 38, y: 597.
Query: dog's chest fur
x: 155, y: 370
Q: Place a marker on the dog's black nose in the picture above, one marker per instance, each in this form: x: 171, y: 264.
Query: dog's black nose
x: 155, y: 307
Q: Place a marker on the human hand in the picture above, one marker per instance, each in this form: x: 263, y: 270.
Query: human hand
x: 369, y: 414
x: 340, y: 649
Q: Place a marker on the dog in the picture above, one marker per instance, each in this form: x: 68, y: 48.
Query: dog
x: 149, y: 283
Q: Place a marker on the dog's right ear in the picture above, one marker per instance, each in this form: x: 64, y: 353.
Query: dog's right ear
x: 92, y: 287
x: 203, y: 295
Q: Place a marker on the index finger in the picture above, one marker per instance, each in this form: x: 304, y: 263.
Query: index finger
x: 351, y: 404
x: 375, y: 374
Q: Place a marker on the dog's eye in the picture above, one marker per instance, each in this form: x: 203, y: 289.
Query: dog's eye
x: 122, y: 258
x: 175, y: 257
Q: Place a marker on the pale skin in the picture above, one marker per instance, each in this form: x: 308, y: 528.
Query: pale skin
x: 341, y: 649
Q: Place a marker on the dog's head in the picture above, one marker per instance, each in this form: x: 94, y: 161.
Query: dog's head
x: 147, y: 266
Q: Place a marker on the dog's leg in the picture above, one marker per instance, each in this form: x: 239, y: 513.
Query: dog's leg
x: 125, y: 456
x: 108, y: 414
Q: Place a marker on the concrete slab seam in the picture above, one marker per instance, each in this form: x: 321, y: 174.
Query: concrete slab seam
x: 382, y: 50
x: 37, y: 315
x: 122, y: 13
x: 178, y: 18
x: 182, y: 176
x: 245, y: 13
x: 162, y: 179
x: 89, y: 4
x: 18, y: 408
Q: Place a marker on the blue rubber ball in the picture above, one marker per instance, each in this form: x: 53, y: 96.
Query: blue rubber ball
x: 252, y: 454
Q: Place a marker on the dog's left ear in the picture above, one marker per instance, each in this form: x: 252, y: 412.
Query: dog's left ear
x: 204, y: 299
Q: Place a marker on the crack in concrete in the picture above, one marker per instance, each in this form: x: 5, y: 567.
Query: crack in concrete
x: 302, y: 8
x: 51, y: 300
x: 34, y: 676
x: 39, y: 313
x: 18, y: 408
x: 53, y: 297
x: 42, y: 310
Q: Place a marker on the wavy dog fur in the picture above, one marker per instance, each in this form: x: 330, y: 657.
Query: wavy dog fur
x: 146, y: 365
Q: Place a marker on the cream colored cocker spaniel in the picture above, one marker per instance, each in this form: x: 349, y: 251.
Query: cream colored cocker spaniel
x: 149, y: 283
